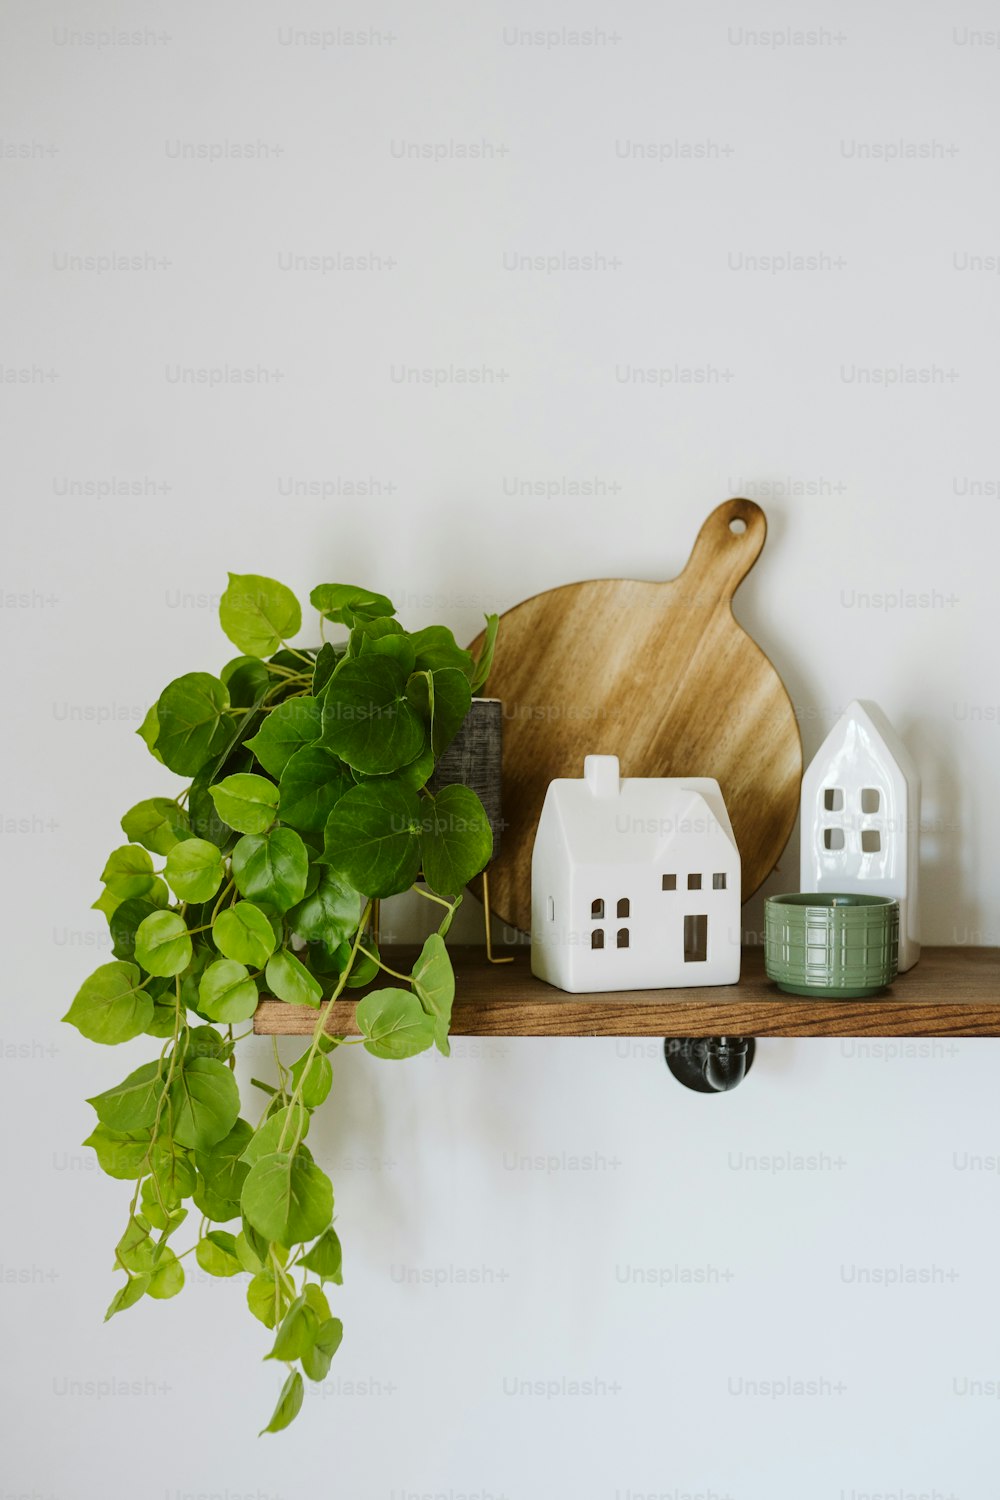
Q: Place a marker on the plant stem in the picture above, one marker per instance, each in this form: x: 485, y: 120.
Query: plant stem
x: 159, y: 1110
x: 300, y: 654
x: 421, y: 891
x: 282, y: 1070
x: 319, y: 1030
x: 406, y: 978
x: 222, y: 896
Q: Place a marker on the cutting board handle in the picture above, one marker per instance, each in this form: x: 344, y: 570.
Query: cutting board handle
x: 726, y: 548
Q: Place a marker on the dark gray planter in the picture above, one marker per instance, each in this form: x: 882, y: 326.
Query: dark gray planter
x: 473, y: 759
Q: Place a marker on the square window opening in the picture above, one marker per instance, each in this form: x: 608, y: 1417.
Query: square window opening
x: 833, y: 838
x: 719, y: 882
x: 871, y: 841
x: 694, y: 882
x: 597, y: 938
x: 623, y: 937
x: 668, y: 883
x: 833, y: 799
x: 623, y: 907
x: 871, y: 799
x: 596, y: 910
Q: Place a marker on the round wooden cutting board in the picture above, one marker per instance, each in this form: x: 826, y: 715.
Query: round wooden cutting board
x: 659, y: 674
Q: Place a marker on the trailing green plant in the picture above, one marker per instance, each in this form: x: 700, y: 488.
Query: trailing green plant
x: 307, y: 804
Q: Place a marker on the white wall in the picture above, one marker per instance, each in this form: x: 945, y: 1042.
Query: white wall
x: 869, y: 489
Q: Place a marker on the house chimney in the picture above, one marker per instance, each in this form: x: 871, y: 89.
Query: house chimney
x: 600, y: 772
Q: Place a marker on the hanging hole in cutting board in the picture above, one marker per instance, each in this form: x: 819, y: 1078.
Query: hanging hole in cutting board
x: 737, y: 526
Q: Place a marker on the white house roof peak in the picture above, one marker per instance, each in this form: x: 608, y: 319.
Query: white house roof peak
x: 635, y: 820
x: 863, y: 719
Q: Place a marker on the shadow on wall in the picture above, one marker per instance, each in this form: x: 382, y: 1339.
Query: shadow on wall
x: 949, y: 835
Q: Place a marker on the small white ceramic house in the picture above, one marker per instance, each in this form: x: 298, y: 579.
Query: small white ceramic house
x: 860, y: 821
x: 635, y: 883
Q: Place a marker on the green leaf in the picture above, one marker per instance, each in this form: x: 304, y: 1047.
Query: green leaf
x: 226, y: 992
x: 258, y: 614
x: 161, y: 1214
x: 394, y: 1024
x: 271, y: 867
x: 330, y: 915
x: 263, y: 1296
x: 131, y: 1105
x: 247, y: 803
x: 318, y: 1079
x: 128, y: 872
x: 119, y: 1154
x: 170, y: 1166
x: 457, y: 840
x: 162, y: 1023
x: 205, y: 820
x: 484, y: 661
x: 365, y: 969
x: 107, y: 903
x: 157, y: 824
x: 443, y: 698
x: 367, y: 719
x: 168, y: 1278
x: 205, y: 1041
x: 346, y: 604
x: 372, y: 838
x: 244, y: 933
x: 212, y: 1206
x: 291, y: 981
x: 287, y: 728
x: 329, y: 962
x: 205, y: 1102
x: 288, y: 1198
x: 163, y: 943
x: 312, y: 783
x: 247, y: 679
x: 294, y: 1332
x: 222, y: 1166
x: 318, y: 1354
x: 136, y: 1250
x: 247, y: 1255
x: 366, y: 633
x: 326, y: 1258
x: 193, y: 725
x: 195, y: 869
x: 437, y: 648
x: 289, y: 1405
x: 108, y: 1007
x: 216, y: 1254
x: 149, y: 730
x: 375, y: 639
x: 124, y: 923
x: 418, y: 772
x: 128, y: 1295
x: 271, y: 1135
x: 315, y: 1298
x: 434, y: 983
x: 327, y: 659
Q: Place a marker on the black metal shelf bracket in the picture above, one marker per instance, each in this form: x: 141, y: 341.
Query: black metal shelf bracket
x: 710, y: 1064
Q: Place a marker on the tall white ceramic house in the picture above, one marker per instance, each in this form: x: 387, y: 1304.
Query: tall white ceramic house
x: 635, y: 883
x: 860, y: 820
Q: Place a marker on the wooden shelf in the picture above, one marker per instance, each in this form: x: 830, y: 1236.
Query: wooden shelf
x: 950, y: 992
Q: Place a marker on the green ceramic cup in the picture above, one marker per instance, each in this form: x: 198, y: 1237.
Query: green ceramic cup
x: 824, y: 943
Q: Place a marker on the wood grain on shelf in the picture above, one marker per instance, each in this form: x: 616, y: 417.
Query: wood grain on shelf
x: 950, y: 992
